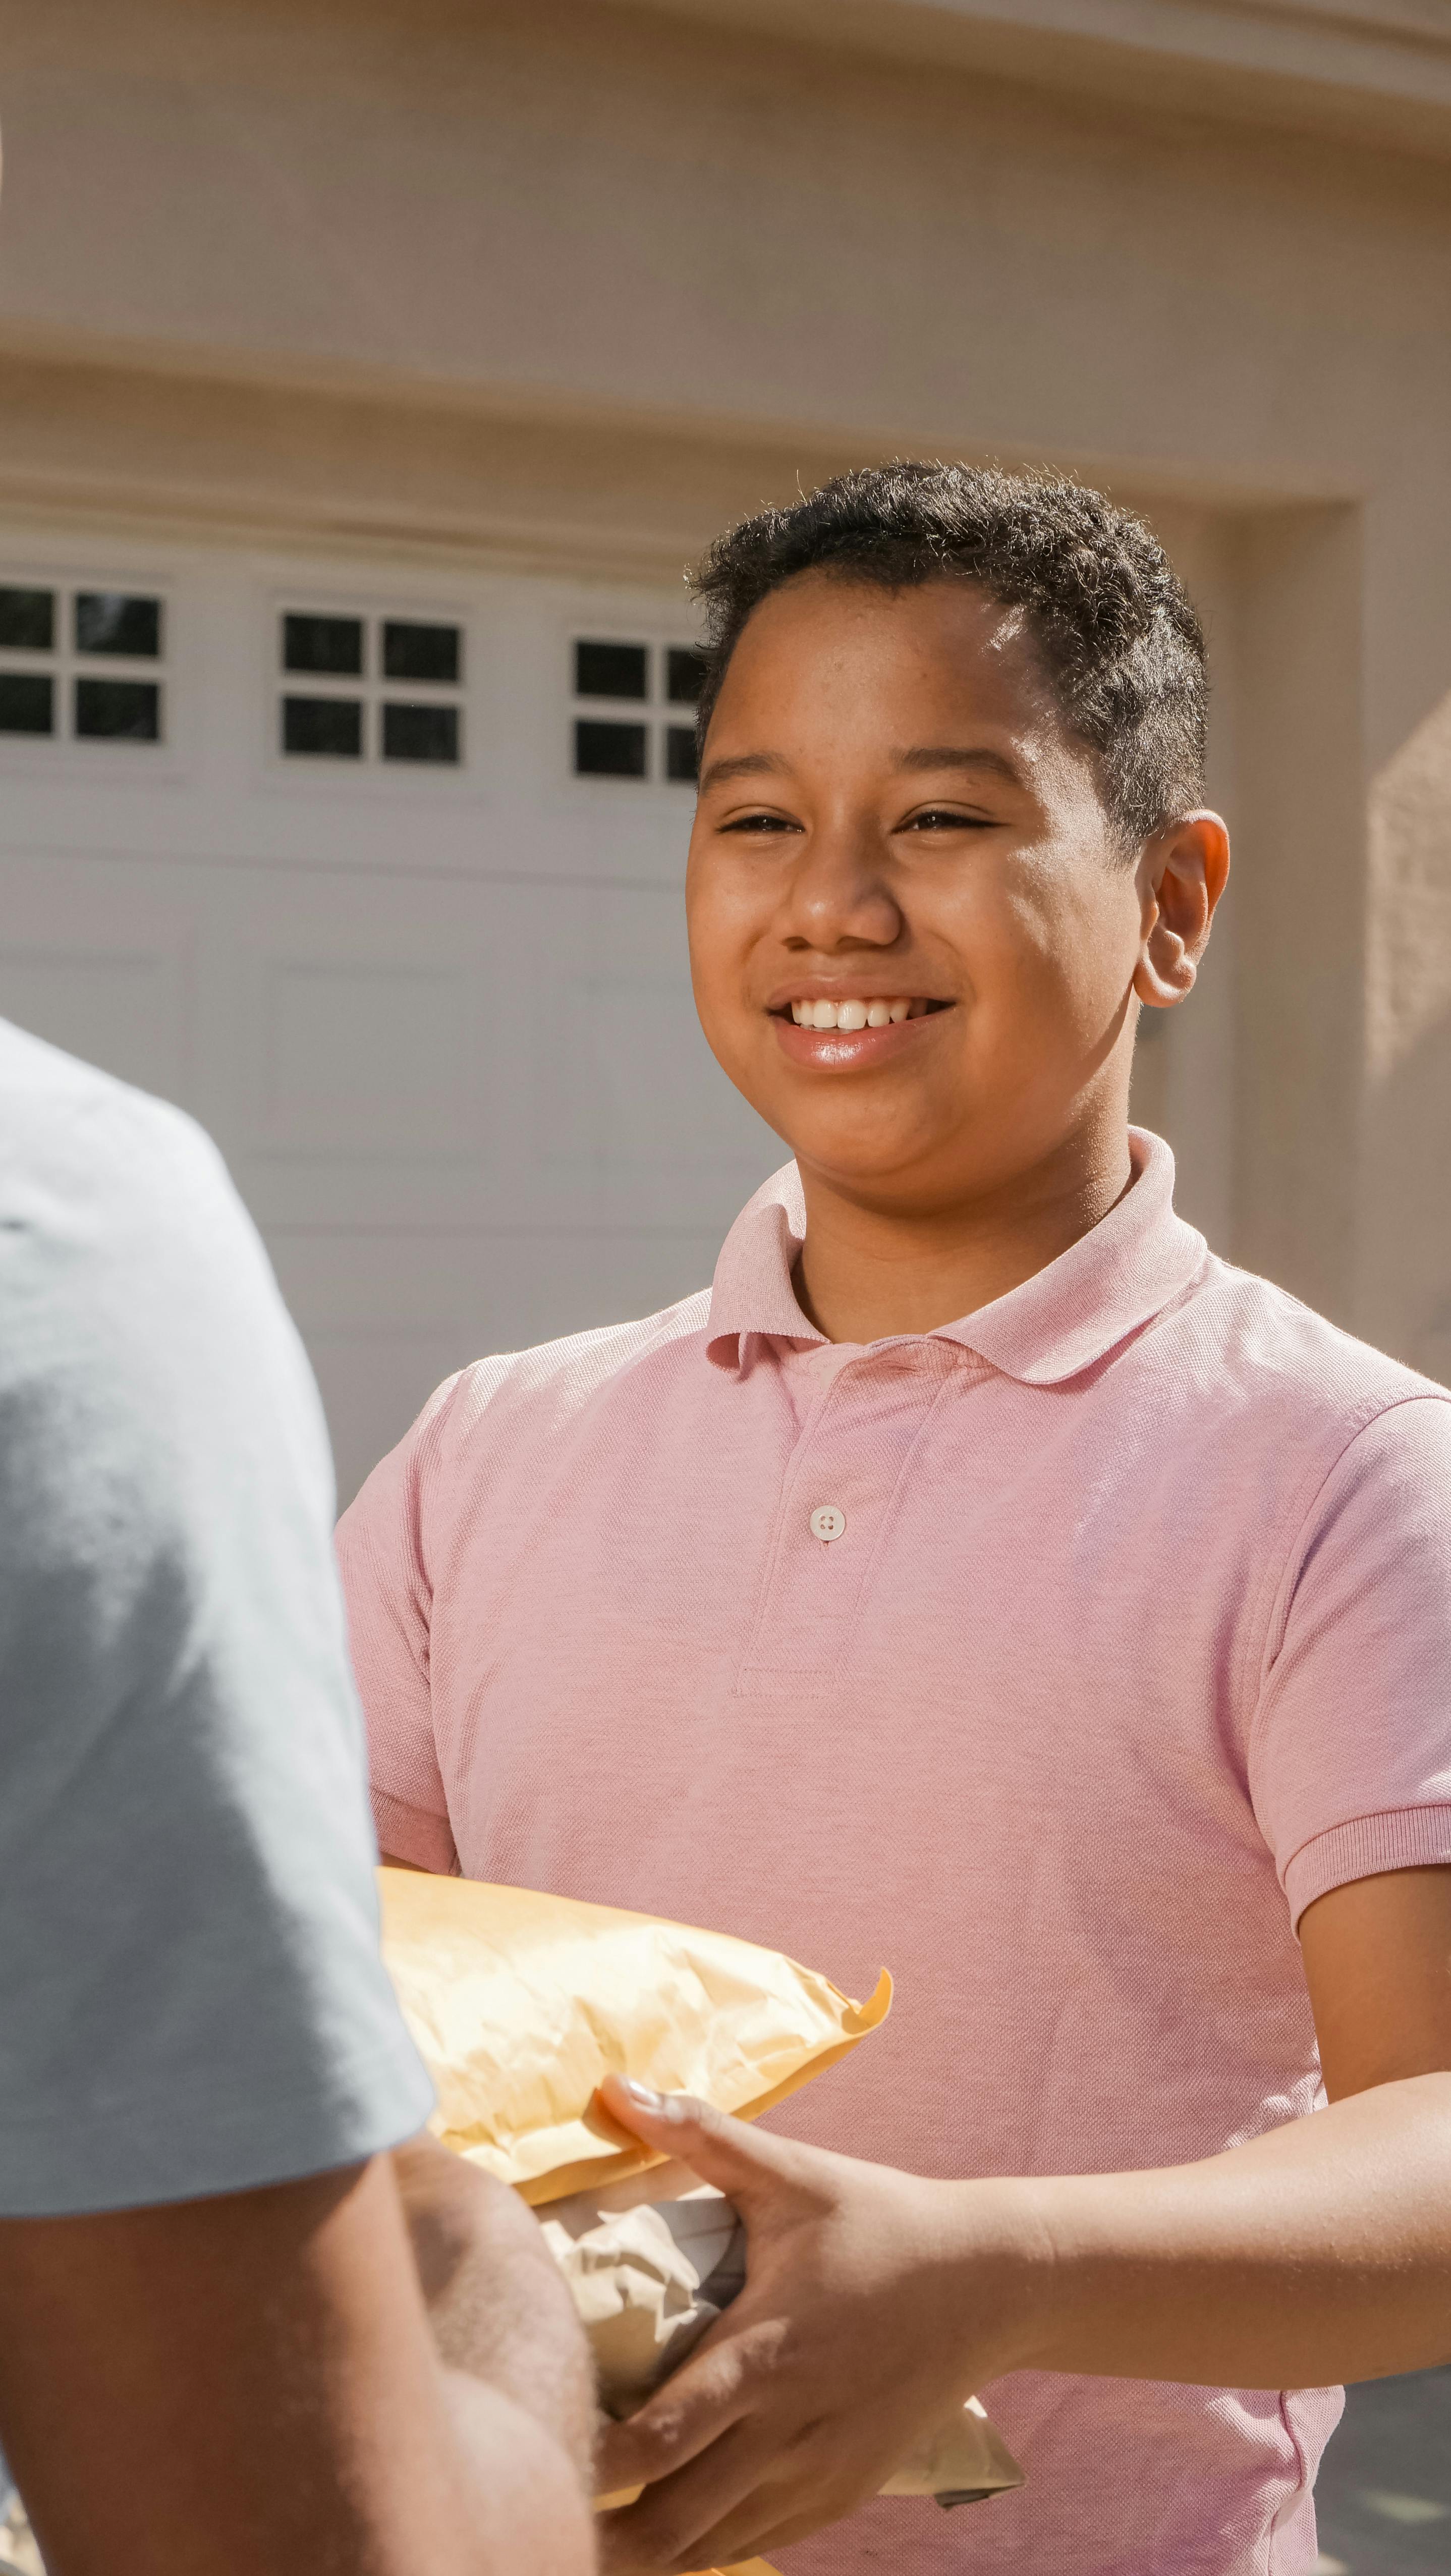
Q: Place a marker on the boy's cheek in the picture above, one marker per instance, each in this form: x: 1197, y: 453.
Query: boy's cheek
x: 740, y: 1037
x: 723, y: 938
x: 720, y: 974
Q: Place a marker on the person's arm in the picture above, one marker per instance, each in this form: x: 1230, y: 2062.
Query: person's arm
x: 876, y: 2301
x: 498, y: 2308
x: 250, y: 2381
x: 215, y: 2355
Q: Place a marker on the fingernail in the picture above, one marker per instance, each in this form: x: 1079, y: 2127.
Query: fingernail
x: 642, y: 2094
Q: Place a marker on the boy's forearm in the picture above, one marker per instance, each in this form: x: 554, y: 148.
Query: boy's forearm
x: 1319, y: 2252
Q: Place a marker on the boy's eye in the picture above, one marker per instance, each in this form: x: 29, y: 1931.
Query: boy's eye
x: 760, y: 823
x: 946, y: 818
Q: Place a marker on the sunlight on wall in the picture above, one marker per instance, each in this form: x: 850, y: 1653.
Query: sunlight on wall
x: 1409, y: 961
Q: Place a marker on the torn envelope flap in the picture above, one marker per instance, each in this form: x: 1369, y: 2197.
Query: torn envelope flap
x: 961, y: 2462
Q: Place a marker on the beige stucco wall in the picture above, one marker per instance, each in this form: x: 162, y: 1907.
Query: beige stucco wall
x: 574, y: 284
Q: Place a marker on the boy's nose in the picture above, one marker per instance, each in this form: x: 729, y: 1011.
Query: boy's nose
x: 840, y: 890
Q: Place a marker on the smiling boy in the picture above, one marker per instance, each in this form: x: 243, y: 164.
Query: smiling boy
x: 981, y: 1577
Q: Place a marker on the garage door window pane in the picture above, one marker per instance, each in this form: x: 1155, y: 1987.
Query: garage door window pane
x: 118, y: 710
x: 684, y: 676
x: 609, y: 750
x: 611, y: 670
x: 27, y: 702
x: 27, y: 620
x: 420, y: 733
x: 415, y: 652
x: 114, y: 621
x: 323, y: 728
x: 680, y: 762
x: 331, y: 644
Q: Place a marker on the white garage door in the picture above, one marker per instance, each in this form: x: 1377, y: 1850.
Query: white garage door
x: 378, y: 872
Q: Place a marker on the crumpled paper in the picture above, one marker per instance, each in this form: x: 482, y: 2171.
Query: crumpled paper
x: 654, y: 2261
x: 649, y: 2275
x: 18, y: 2552
x: 519, y: 2005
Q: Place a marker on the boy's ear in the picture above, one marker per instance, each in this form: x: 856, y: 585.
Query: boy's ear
x: 1182, y: 874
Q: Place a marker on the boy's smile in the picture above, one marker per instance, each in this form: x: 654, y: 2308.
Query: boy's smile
x: 820, y: 1025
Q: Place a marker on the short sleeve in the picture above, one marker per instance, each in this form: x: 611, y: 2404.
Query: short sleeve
x: 192, y: 1998
x: 389, y: 1601
x: 1350, y: 1755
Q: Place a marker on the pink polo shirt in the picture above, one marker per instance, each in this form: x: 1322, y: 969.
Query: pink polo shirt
x: 1057, y: 1659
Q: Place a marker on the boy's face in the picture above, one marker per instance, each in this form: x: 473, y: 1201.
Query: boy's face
x: 892, y: 811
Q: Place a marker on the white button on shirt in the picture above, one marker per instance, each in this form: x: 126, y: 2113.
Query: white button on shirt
x: 827, y: 1521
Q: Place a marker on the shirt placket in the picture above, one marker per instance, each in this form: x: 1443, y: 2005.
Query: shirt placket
x: 838, y: 1499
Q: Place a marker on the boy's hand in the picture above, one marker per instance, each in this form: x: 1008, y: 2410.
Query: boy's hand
x: 853, y: 2335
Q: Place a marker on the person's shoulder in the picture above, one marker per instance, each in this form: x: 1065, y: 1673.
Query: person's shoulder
x: 127, y: 1260
x: 1273, y: 1354
x: 73, y: 1138
x: 561, y: 1377
x: 542, y: 1389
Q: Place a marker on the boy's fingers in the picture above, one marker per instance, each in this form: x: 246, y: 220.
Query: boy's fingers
x: 739, y: 2160
x: 671, y: 2526
x: 703, y: 2399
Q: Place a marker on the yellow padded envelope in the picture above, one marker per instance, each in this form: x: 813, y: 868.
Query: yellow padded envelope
x: 520, y: 2003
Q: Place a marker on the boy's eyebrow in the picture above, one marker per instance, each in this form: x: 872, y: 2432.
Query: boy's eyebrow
x: 745, y: 764
x: 959, y: 756
x: 758, y: 764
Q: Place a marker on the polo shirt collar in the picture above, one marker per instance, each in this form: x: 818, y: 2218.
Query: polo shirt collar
x: 1114, y: 1280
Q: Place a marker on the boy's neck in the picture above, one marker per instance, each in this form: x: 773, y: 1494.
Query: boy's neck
x: 869, y: 1272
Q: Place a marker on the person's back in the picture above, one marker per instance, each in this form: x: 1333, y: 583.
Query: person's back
x: 214, y: 2346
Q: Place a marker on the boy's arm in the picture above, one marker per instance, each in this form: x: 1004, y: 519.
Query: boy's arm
x: 875, y: 2301
x: 250, y: 2381
x: 389, y: 1599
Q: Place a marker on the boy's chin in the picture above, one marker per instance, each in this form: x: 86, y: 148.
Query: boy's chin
x: 869, y: 1137
x: 897, y: 1169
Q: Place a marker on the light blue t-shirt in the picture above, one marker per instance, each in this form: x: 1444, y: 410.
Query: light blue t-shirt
x: 191, y: 1999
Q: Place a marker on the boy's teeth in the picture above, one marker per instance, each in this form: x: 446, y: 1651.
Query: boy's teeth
x: 848, y: 1015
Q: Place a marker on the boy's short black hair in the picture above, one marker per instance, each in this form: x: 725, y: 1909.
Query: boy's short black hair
x: 1116, y: 631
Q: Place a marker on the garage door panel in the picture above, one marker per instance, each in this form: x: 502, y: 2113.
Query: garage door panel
x: 374, y: 1053
x: 368, y: 1060
x: 355, y: 1076
x: 386, y: 1317
x: 127, y: 1013
x: 629, y: 1116
x: 468, y: 1282
x: 95, y: 960
x: 518, y: 1055
x: 627, y: 1091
